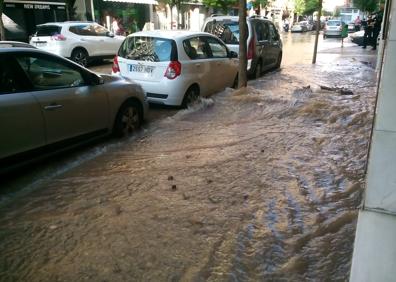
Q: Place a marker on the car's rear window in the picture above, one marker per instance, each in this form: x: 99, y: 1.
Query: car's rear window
x: 153, y: 49
x: 48, y: 30
x: 333, y: 23
x: 228, y: 31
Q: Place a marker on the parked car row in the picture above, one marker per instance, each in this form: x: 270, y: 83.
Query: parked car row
x: 49, y: 103
x: 302, y: 26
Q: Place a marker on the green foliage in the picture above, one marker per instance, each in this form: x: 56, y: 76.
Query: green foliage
x: 263, y: 3
x: 220, y: 4
x: 306, y: 7
x: 311, y: 6
x: 366, y: 5
x: 299, y: 6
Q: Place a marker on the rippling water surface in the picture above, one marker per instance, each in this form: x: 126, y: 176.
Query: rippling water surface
x: 256, y: 184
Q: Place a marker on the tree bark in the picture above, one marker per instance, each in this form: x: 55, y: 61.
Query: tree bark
x: 317, y: 32
x: 242, y: 74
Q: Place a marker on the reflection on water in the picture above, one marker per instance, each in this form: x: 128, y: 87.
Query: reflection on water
x: 250, y: 185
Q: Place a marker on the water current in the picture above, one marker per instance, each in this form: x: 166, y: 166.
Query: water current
x: 257, y: 184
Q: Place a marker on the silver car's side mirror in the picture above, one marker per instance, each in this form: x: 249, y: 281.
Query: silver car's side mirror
x: 110, y: 34
x: 96, y: 79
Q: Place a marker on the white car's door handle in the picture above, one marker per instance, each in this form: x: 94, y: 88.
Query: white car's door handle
x: 52, y: 107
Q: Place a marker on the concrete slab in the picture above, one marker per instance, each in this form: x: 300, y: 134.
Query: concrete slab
x: 374, y: 257
x: 386, y: 114
x: 381, y: 179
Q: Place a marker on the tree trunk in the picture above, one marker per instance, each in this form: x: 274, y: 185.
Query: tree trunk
x: 171, y: 14
x: 2, y: 31
x: 242, y: 74
x: 317, y: 32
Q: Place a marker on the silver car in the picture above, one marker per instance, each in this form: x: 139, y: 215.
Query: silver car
x: 48, y: 103
x: 333, y: 28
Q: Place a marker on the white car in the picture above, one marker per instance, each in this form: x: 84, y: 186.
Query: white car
x: 79, y: 41
x: 175, y: 67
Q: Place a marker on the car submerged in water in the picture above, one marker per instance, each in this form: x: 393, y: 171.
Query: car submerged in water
x: 49, y: 103
x: 176, y: 67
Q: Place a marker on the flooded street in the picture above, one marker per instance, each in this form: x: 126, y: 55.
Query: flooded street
x: 258, y: 184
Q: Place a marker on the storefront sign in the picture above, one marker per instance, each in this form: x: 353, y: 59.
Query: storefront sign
x: 36, y: 6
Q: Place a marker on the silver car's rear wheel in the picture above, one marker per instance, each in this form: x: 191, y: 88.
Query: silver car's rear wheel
x: 128, y: 120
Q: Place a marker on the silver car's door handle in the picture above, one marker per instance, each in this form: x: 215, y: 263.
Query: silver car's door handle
x: 52, y: 107
x: 197, y: 65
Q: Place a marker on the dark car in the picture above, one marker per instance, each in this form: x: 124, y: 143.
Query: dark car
x: 264, y: 45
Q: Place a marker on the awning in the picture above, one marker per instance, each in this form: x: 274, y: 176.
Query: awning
x: 153, y: 2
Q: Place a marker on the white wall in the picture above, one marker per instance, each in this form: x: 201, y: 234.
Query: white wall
x: 374, y: 257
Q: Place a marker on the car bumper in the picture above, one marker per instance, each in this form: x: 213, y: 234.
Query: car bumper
x: 332, y: 33
x: 164, y: 92
x: 57, y: 50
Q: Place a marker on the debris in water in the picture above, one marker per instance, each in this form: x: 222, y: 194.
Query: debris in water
x: 346, y: 92
x: 170, y: 177
x: 342, y: 91
x: 245, y: 197
x: 214, y: 199
x: 117, y: 210
x: 174, y: 188
x: 209, y: 181
x: 186, y: 196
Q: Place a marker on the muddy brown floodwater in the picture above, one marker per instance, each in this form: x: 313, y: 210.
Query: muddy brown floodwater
x: 258, y: 184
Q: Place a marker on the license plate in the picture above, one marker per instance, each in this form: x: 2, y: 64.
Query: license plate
x: 38, y: 44
x: 141, y: 68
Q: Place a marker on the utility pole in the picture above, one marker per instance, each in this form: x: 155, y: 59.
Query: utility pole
x: 318, y: 24
x: 242, y: 73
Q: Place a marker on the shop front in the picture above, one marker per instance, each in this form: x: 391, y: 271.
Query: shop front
x: 131, y: 15
x: 21, y: 17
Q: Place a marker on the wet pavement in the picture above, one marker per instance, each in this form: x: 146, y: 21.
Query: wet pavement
x: 256, y: 184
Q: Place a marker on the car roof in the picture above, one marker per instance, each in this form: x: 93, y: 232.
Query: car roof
x: 232, y: 18
x: 169, y: 34
x: 14, y: 44
x: 235, y: 18
x: 23, y: 49
x: 67, y: 23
